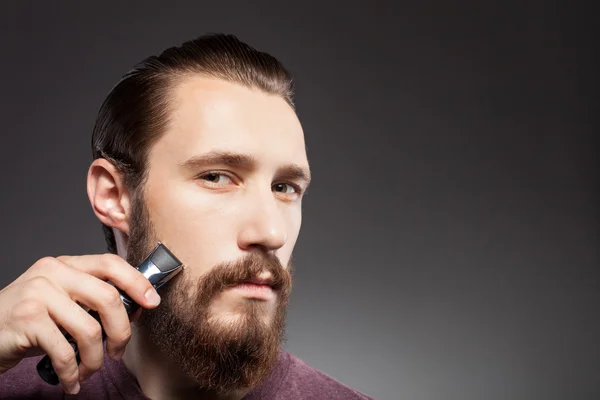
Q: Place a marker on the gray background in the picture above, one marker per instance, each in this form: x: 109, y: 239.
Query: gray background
x: 450, y: 240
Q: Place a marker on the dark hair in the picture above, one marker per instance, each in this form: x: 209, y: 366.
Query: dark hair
x: 137, y: 110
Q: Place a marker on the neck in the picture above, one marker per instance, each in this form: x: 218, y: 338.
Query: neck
x: 160, y: 378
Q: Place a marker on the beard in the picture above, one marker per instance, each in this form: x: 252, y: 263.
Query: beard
x: 221, y: 355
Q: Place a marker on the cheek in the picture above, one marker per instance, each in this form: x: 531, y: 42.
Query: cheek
x: 293, y: 218
x: 199, y: 226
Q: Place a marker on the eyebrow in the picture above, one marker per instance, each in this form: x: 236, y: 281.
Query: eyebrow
x: 244, y: 161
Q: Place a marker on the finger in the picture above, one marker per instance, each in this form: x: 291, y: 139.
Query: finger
x: 86, y: 331
x: 113, y: 268
x: 41, y: 331
x: 100, y: 296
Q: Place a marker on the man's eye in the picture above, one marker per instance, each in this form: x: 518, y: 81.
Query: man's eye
x: 216, y: 177
x: 285, y: 188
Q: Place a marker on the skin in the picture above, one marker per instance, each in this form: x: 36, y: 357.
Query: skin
x: 212, y: 210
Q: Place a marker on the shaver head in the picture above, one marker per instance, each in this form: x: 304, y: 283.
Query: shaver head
x: 160, y: 266
x: 163, y: 258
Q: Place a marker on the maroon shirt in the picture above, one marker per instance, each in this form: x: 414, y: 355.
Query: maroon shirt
x: 290, y: 379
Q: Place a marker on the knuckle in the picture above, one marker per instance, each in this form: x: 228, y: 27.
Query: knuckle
x: 123, y: 337
x: 93, y: 331
x: 111, y: 297
x: 39, y: 282
x: 46, y: 264
x: 70, y: 376
x: 63, y: 258
x: 141, y: 281
x: 110, y: 263
x: 45, y: 260
x: 35, y: 287
x: 92, y: 365
x: 64, y: 359
x: 110, y: 260
x: 28, y: 310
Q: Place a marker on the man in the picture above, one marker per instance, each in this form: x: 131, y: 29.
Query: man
x: 199, y: 148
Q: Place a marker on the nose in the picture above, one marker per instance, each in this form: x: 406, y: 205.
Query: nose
x: 263, y: 226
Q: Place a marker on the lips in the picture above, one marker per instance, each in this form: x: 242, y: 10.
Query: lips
x: 260, y: 281
x: 256, y: 288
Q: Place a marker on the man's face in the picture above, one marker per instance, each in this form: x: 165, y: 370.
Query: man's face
x: 221, y: 179
x: 224, y: 189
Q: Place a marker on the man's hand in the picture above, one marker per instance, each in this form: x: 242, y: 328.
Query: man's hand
x: 45, y: 298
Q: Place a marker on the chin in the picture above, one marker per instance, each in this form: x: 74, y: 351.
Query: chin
x: 251, y: 313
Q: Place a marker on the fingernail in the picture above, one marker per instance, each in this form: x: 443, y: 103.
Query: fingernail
x: 152, y: 297
x: 75, y: 388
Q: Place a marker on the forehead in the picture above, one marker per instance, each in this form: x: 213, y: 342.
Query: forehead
x: 209, y: 114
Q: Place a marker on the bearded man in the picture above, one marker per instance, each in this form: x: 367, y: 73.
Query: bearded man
x: 199, y: 148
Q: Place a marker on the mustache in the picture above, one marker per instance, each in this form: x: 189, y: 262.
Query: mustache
x: 230, y: 274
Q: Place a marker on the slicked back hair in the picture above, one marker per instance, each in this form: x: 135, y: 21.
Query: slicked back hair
x: 137, y: 110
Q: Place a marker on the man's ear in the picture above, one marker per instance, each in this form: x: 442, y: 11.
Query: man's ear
x: 108, y: 195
